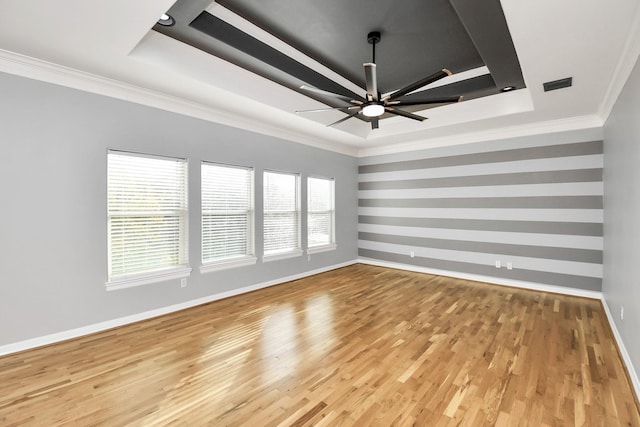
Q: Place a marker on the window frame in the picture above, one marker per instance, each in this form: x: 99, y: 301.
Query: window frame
x: 154, y: 275
x: 286, y: 253
x: 248, y: 258
x: 331, y: 245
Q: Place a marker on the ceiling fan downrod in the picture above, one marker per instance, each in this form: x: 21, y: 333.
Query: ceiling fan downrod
x: 373, y: 38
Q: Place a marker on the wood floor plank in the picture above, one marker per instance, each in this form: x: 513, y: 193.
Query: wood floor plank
x: 361, y: 345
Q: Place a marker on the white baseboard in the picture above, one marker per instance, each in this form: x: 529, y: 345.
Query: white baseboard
x: 487, y: 279
x: 626, y: 358
x: 109, y: 324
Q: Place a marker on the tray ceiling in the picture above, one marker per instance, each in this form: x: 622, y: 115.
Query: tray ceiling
x: 418, y: 39
x: 241, y: 62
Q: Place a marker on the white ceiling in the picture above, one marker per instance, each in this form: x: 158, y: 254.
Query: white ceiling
x: 91, y: 45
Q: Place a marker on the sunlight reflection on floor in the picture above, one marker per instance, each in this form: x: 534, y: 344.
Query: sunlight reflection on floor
x: 319, y: 326
x: 279, y: 345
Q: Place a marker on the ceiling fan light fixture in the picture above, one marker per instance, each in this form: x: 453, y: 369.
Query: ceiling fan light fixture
x: 373, y: 110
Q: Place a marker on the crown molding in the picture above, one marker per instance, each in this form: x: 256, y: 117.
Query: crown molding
x: 628, y: 59
x: 537, y: 128
x: 25, y: 66
x: 36, y: 69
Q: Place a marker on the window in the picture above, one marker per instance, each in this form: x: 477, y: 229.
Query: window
x: 320, y: 215
x: 281, y: 216
x: 147, y: 219
x: 227, y: 216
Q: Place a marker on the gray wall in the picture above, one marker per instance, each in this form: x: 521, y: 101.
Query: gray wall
x: 621, y: 283
x: 534, y: 202
x: 53, y: 249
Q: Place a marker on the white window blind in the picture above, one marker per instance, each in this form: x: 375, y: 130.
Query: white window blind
x: 320, y: 212
x: 147, y: 215
x: 281, y: 213
x: 227, y: 214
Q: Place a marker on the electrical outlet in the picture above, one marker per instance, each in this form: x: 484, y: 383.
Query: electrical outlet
x: 509, y: 266
x: 413, y: 254
x: 622, y: 312
x: 498, y: 264
x: 183, y: 282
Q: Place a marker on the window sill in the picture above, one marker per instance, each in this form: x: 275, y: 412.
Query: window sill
x: 282, y: 255
x: 323, y: 248
x: 147, y: 278
x: 228, y: 263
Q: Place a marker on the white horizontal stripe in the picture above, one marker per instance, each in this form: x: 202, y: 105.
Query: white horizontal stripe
x: 527, y: 190
x: 556, y: 215
x: 592, y: 161
x: 529, y: 239
x: 536, y: 264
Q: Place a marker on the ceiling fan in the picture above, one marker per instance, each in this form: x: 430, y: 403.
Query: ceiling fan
x: 374, y: 105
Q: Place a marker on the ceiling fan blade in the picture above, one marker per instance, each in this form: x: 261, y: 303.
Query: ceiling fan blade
x: 372, y: 81
x: 420, y: 83
x: 444, y: 100
x: 344, y: 119
x: 404, y: 114
x: 318, y: 110
x: 374, y: 123
x: 325, y: 92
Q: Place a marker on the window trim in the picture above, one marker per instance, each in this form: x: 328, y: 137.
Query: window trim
x: 332, y: 245
x: 322, y: 248
x: 283, y: 255
x: 294, y: 252
x: 227, y: 263
x: 233, y: 261
x: 132, y: 280
x: 124, y: 281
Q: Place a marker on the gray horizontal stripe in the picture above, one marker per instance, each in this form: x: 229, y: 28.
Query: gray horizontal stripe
x: 541, y: 227
x: 550, y: 202
x: 547, y: 177
x: 544, y: 252
x: 532, y: 276
x: 563, y: 150
x: 561, y: 215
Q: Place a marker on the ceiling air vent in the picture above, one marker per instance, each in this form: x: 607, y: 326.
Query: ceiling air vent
x: 557, y: 84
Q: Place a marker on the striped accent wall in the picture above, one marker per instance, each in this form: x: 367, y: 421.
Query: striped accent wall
x: 534, y: 202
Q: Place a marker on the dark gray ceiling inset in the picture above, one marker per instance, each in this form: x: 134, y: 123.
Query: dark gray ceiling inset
x: 485, y: 23
x: 237, y: 39
x: 418, y: 38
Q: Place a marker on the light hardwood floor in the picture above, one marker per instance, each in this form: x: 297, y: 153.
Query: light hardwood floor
x: 360, y: 345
